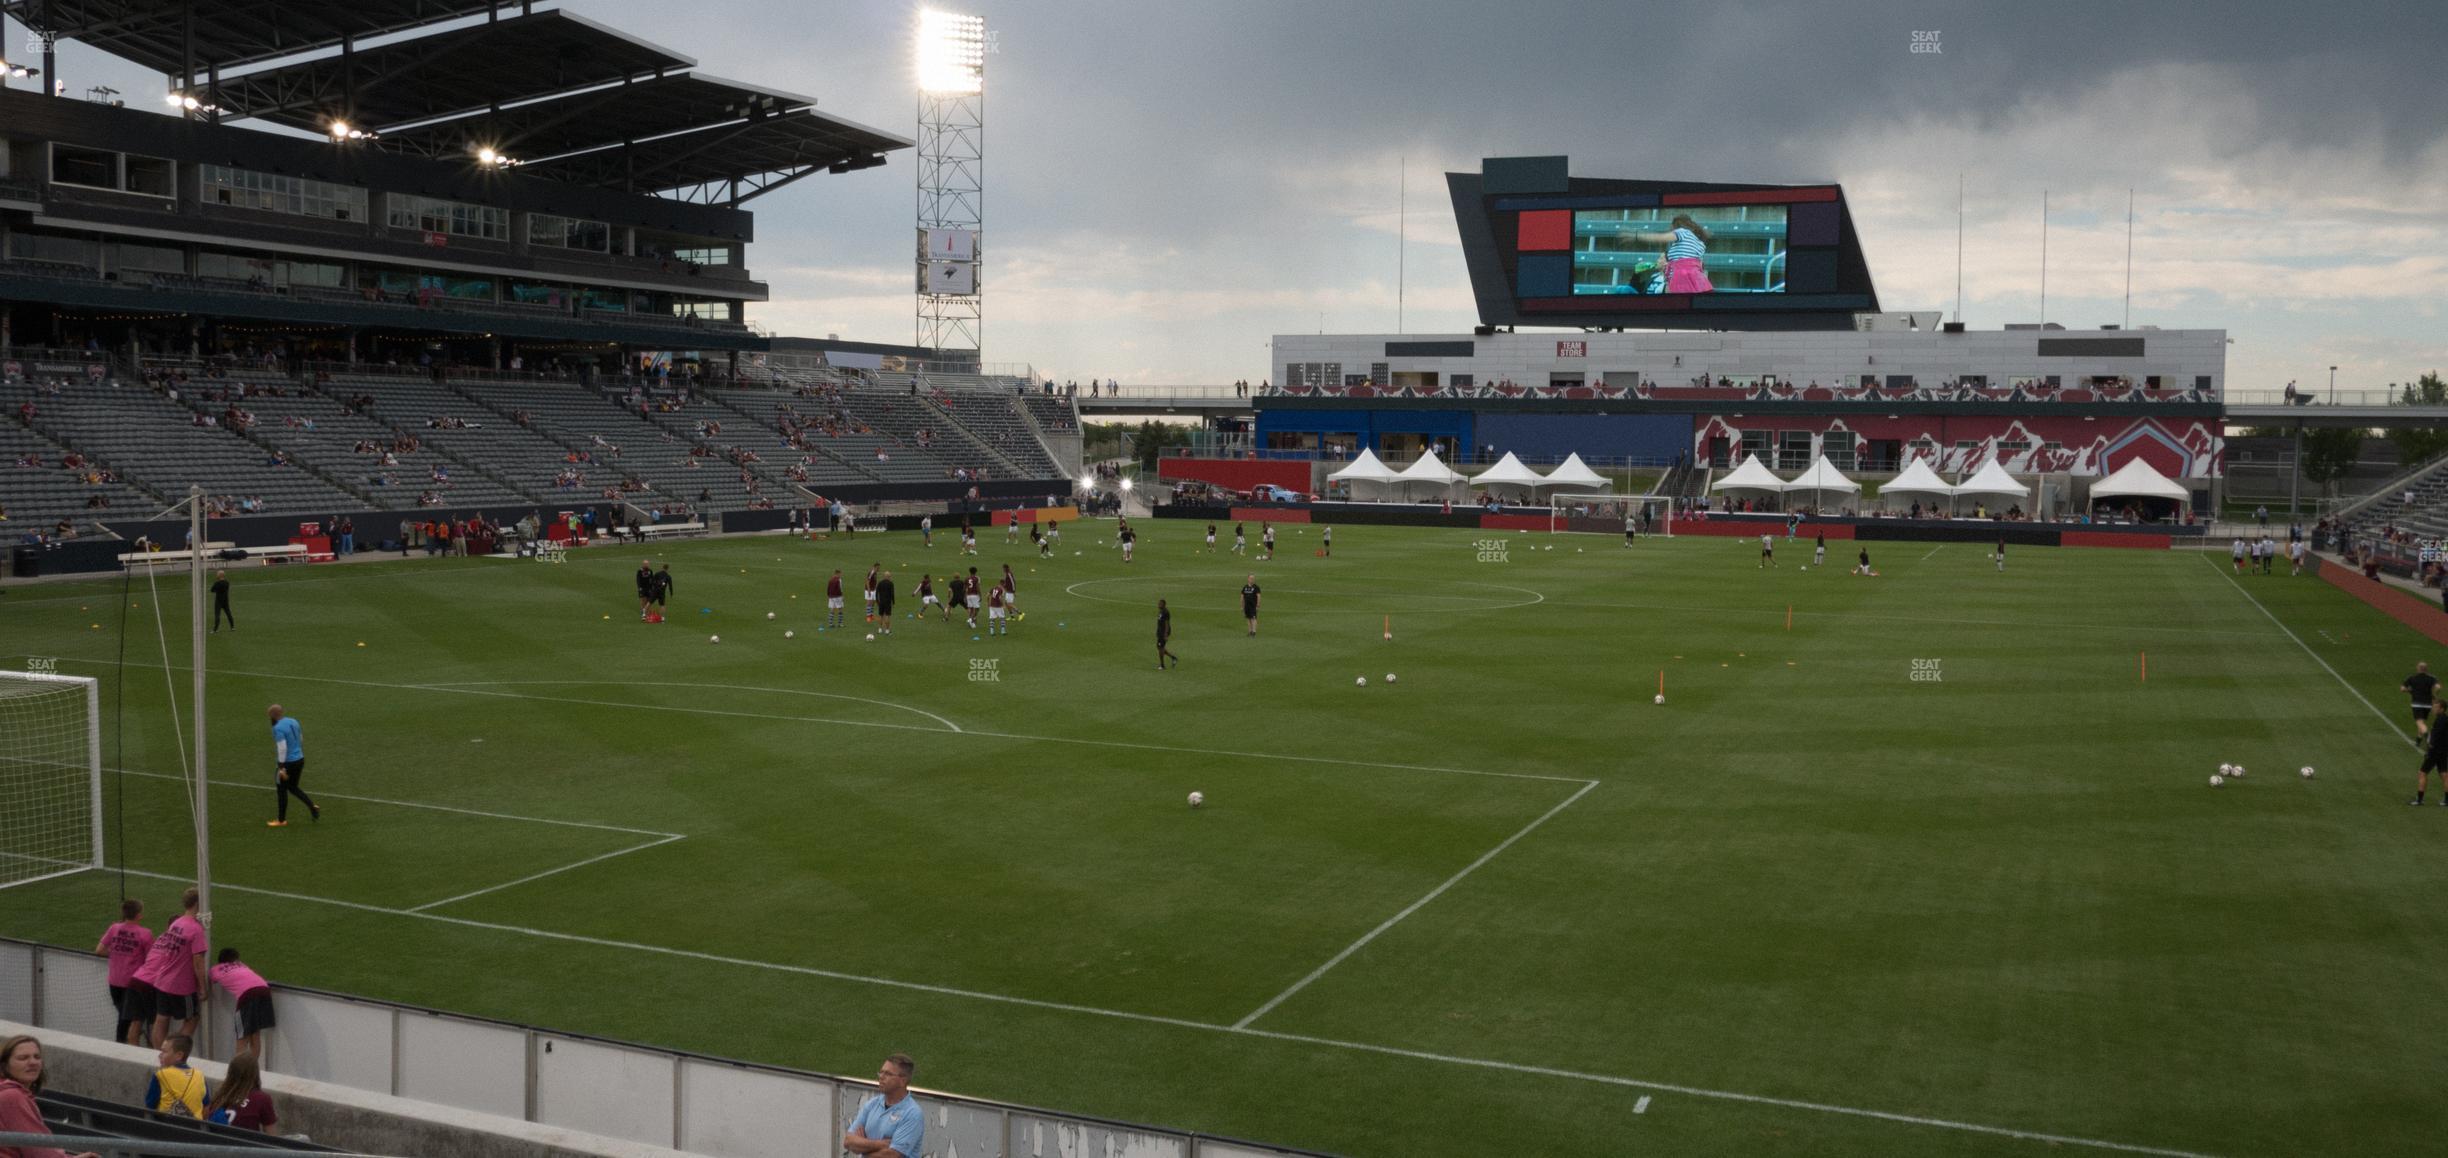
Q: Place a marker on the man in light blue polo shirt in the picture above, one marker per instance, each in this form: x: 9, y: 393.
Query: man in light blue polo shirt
x: 890, y: 1123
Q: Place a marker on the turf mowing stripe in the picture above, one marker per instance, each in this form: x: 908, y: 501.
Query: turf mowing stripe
x: 713, y: 687
x: 2307, y: 650
x: 1414, y: 907
x: 1268, y: 1034
x: 2023, y: 624
x: 419, y: 804
x: 546, y: 873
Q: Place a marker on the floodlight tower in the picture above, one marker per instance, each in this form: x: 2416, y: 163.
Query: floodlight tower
x: 951, y: 179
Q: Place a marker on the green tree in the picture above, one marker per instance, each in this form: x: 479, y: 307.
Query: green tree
x: 1149, y: 441
x: 2420, y: 444
x: 2329, y: 452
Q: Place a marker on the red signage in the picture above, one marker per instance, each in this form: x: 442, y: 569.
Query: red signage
x: 1572, y: 349
x: 437, y: 239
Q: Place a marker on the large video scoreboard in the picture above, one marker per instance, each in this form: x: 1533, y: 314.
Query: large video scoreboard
x: 1545, y: 248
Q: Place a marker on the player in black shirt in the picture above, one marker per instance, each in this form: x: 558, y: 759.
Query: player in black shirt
x: 1164, y: 635
x: 884, y: 601
x: 2422, y: 688
x: 221, y: 607
x: 1249, y: 603
x: 2435, y: 759
x: 646, y: 587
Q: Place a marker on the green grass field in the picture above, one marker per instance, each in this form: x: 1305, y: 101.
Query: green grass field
x: 1811, y: 905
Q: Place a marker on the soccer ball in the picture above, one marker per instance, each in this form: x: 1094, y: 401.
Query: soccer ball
x: 1197, y: 798
x: 2239, y: 771
x: 1661, y: 698
x: 790, y: 635
x: 2226, y: 769
x: 1389, y: 677
x: 2216, y: 780
x: 2307, y: 771
x: 1806, y: 566
x: 769, y: 615
x: 1362, y: 681
x: 713, y: 639
x: 871, y: 637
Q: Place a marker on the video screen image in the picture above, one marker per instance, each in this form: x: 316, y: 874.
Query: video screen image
x: 1695, y: 249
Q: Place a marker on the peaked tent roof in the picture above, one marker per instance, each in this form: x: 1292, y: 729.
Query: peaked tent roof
x: 1750, y: 476
x: 1918, y: 479
x: 1430, y: 469
x: 1822, y: 476
x: 1365, y: 468
x: 1992, y: 479
x: 1573, y: 472
x: 1509, y: 471
x: 2138, y: 477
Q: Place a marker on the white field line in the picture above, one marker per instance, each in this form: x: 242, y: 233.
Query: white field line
x: 1207, y: 1027
x: 444, y: 689
x: 712, y: 687
x: 1413, y: 907
x: 429, y: 807
x: 1933, y: 551
x: 2025, y: 624
x: 2307, y: 650
x: 546, y: 873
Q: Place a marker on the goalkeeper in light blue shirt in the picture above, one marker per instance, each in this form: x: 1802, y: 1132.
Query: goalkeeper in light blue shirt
x: 289, y: 767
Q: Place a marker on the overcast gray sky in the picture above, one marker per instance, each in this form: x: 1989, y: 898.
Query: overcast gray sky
x: 1170, y: 184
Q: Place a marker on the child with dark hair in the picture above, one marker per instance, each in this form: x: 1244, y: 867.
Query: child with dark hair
x: 1686, y: 249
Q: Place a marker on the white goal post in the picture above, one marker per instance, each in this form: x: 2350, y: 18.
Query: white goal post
x: 50, y: 776
x: 1598, y: 514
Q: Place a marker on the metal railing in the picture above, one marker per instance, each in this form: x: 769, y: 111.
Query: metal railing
x: 2317, y: 398
x: 695, y: 1102
x: 114, y: 1147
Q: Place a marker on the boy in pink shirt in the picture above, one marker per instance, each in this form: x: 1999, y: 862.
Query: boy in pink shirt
x: 174, y: 971
x: 253, y: 995
x: 126, y: 944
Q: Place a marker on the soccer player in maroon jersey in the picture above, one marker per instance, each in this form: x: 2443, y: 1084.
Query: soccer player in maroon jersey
x: 833, y: 601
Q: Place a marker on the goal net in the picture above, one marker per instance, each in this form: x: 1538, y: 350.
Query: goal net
x: 50, y: 776
x: 1611, y: 514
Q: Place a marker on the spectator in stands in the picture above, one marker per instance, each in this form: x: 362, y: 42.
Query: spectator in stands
x: 890, y: 1123
x: 176, y: 1089
x: 21, y: 1077
x: 242, y: 1100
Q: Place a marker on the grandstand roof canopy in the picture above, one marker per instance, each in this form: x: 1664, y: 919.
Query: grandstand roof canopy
x: 563, y: 97
x: 157, y: 35
x: 449, y: 73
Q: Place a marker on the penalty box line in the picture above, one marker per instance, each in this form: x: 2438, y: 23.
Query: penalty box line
x: 949, y: 729
x: 660, y: 838
x: 1209, y: 1027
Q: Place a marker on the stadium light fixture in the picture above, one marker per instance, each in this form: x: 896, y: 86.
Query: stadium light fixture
x: 951, y: 52
x: 344, y: 131
x: 487, y: 157
x: 17, y: 71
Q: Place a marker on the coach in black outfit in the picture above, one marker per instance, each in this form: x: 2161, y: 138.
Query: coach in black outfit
x: 884, y: 601
x: 221, y: 607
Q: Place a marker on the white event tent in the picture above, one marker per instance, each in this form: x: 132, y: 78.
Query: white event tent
x: 1821, y: 478
x: 1429, y: 470
x: 1574, y: 473
x: 2139, y: 479
x: 1992, y: 479
x: 1509, y: 472
x: 1366, y: 469
x: 1917, y: 479
x: 1750, y: 476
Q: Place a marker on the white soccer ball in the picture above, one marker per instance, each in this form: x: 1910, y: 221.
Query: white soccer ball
x: 871, y: 637
x: 2216, y: 780
x: 790, y: 635
x: 713, y: 639
x: 2227, y: 769
x: 1197, y: 798
x: 2239, y: 770
x: 1661, y: 698
x: 1362, y: 681
x: 1389, y: 677
x: 769, y: 615
x: 2307, y: 771
x: 1806, y: 566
